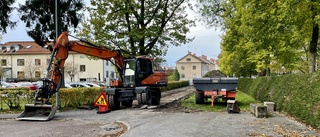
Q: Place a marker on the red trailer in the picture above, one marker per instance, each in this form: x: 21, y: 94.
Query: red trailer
x: 215, y: 88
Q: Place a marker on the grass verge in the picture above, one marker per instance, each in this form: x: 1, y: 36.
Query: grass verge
x: 243, y: 99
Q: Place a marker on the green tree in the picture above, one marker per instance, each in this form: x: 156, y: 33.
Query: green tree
x: 39, y: 17
x: 144, y: 27
x: 175, y: 76
x: 260, y: 36
x: 6, y: 9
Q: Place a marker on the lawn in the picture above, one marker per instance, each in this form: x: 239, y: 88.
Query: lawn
x: 243, y: 99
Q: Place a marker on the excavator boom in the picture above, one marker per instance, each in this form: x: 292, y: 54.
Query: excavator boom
x: 138, y: 81
x: 42, y: 109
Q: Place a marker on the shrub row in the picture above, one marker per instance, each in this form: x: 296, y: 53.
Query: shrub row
x: 68, y: 97
x: 174, y: 85
x: 297, y: 95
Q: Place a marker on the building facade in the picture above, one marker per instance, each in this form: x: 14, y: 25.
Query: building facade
x: 27, y: 60
x: 191, y: 66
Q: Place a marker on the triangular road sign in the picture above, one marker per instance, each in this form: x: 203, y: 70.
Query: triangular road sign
x: 101, y: 100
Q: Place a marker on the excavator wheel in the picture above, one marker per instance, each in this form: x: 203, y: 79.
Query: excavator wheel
x: 145, y: 98
x: 155, y: 99
x: 139, y: 99
x: 114, y: 104
x: 127, y: 103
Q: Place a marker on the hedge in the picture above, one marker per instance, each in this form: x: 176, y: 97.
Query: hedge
x: 174, y: 85
x: 297, y: 94
x: 15, y: 98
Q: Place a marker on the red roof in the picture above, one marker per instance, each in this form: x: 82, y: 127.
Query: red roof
x: 23, y: 47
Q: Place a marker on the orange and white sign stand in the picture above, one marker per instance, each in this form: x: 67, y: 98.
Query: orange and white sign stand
x: 102, y: 103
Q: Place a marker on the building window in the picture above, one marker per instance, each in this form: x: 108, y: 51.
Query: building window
x: 182, y: 75
x: 37, y: 62
x: 194, y: 67
x: 20, y: 74
x: 82, y: 56
x: 3, y: 62
x: 182, y: 67
x: 37, y: 74
x: 107, y: 74
x: 188, y: 59
x: 82, y: 68
x: 20, y: 62
x: 107, y: 63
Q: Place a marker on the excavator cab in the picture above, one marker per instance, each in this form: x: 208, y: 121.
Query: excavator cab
x: 137, y: 70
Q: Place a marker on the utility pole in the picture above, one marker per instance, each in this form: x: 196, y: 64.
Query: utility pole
x: 56, y: 23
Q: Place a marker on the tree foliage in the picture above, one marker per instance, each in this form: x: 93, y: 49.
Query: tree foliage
x: 39, y: 17
x: 5, y: 12
x: 175, y: 76
x: 265, y: 37
x: 144, y: 27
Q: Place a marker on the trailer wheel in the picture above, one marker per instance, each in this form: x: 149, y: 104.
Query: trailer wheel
x: 127, y: 103
x: 199, y: 97
x: 113, y: 102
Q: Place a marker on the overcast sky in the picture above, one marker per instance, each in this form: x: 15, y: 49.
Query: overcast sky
x: 206, y: 42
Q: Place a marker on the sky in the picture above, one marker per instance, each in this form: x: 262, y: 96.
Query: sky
x: 206, y: 42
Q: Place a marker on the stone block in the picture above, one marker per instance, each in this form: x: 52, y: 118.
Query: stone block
x: 261, y: 111
x: 270, y: 107
x: 252, y: 108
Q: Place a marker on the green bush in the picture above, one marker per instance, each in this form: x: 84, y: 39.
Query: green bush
x: 175, y: 76
x: 297, y: 95
x: 68, y: 97
x: 174, y: 85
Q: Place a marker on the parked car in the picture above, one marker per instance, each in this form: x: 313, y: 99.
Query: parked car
x: 24, y: 84
x: 79, y: 85
x: 67, y: 85
x: 92, y: 85
x: 5, y: 84
x: 35, y: 85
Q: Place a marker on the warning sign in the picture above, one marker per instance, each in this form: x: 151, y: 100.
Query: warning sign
x: 101, y: 100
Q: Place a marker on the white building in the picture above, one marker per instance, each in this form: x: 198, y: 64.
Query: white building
x: 26, y: 60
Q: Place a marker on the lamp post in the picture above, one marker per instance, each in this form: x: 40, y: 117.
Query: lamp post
x: 56, y: 25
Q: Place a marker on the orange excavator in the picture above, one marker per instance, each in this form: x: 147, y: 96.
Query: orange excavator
x: 137, y: 79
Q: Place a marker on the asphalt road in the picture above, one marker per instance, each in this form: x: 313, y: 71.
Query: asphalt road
x: 165, y: 121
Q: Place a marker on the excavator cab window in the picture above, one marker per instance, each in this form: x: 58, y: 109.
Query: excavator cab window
x: 144, y: 69
x: 129, y: 72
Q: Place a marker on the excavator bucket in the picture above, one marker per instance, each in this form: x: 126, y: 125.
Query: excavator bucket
x: 37, y: 112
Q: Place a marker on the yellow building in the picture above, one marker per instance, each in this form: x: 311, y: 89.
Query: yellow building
x: 27, y: 60
x: 191, y: 66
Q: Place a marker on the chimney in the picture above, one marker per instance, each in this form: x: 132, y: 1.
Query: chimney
x: 189, y: 53
x: 204, y: 57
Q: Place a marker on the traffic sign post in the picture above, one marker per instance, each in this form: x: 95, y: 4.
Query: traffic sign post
x: 102, y: 103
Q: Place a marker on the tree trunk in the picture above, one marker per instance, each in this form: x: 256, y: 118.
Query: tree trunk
x: 313, y: 48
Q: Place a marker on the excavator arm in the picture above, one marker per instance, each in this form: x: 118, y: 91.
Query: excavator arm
x: 60, y: 53
x: 42, y: 109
